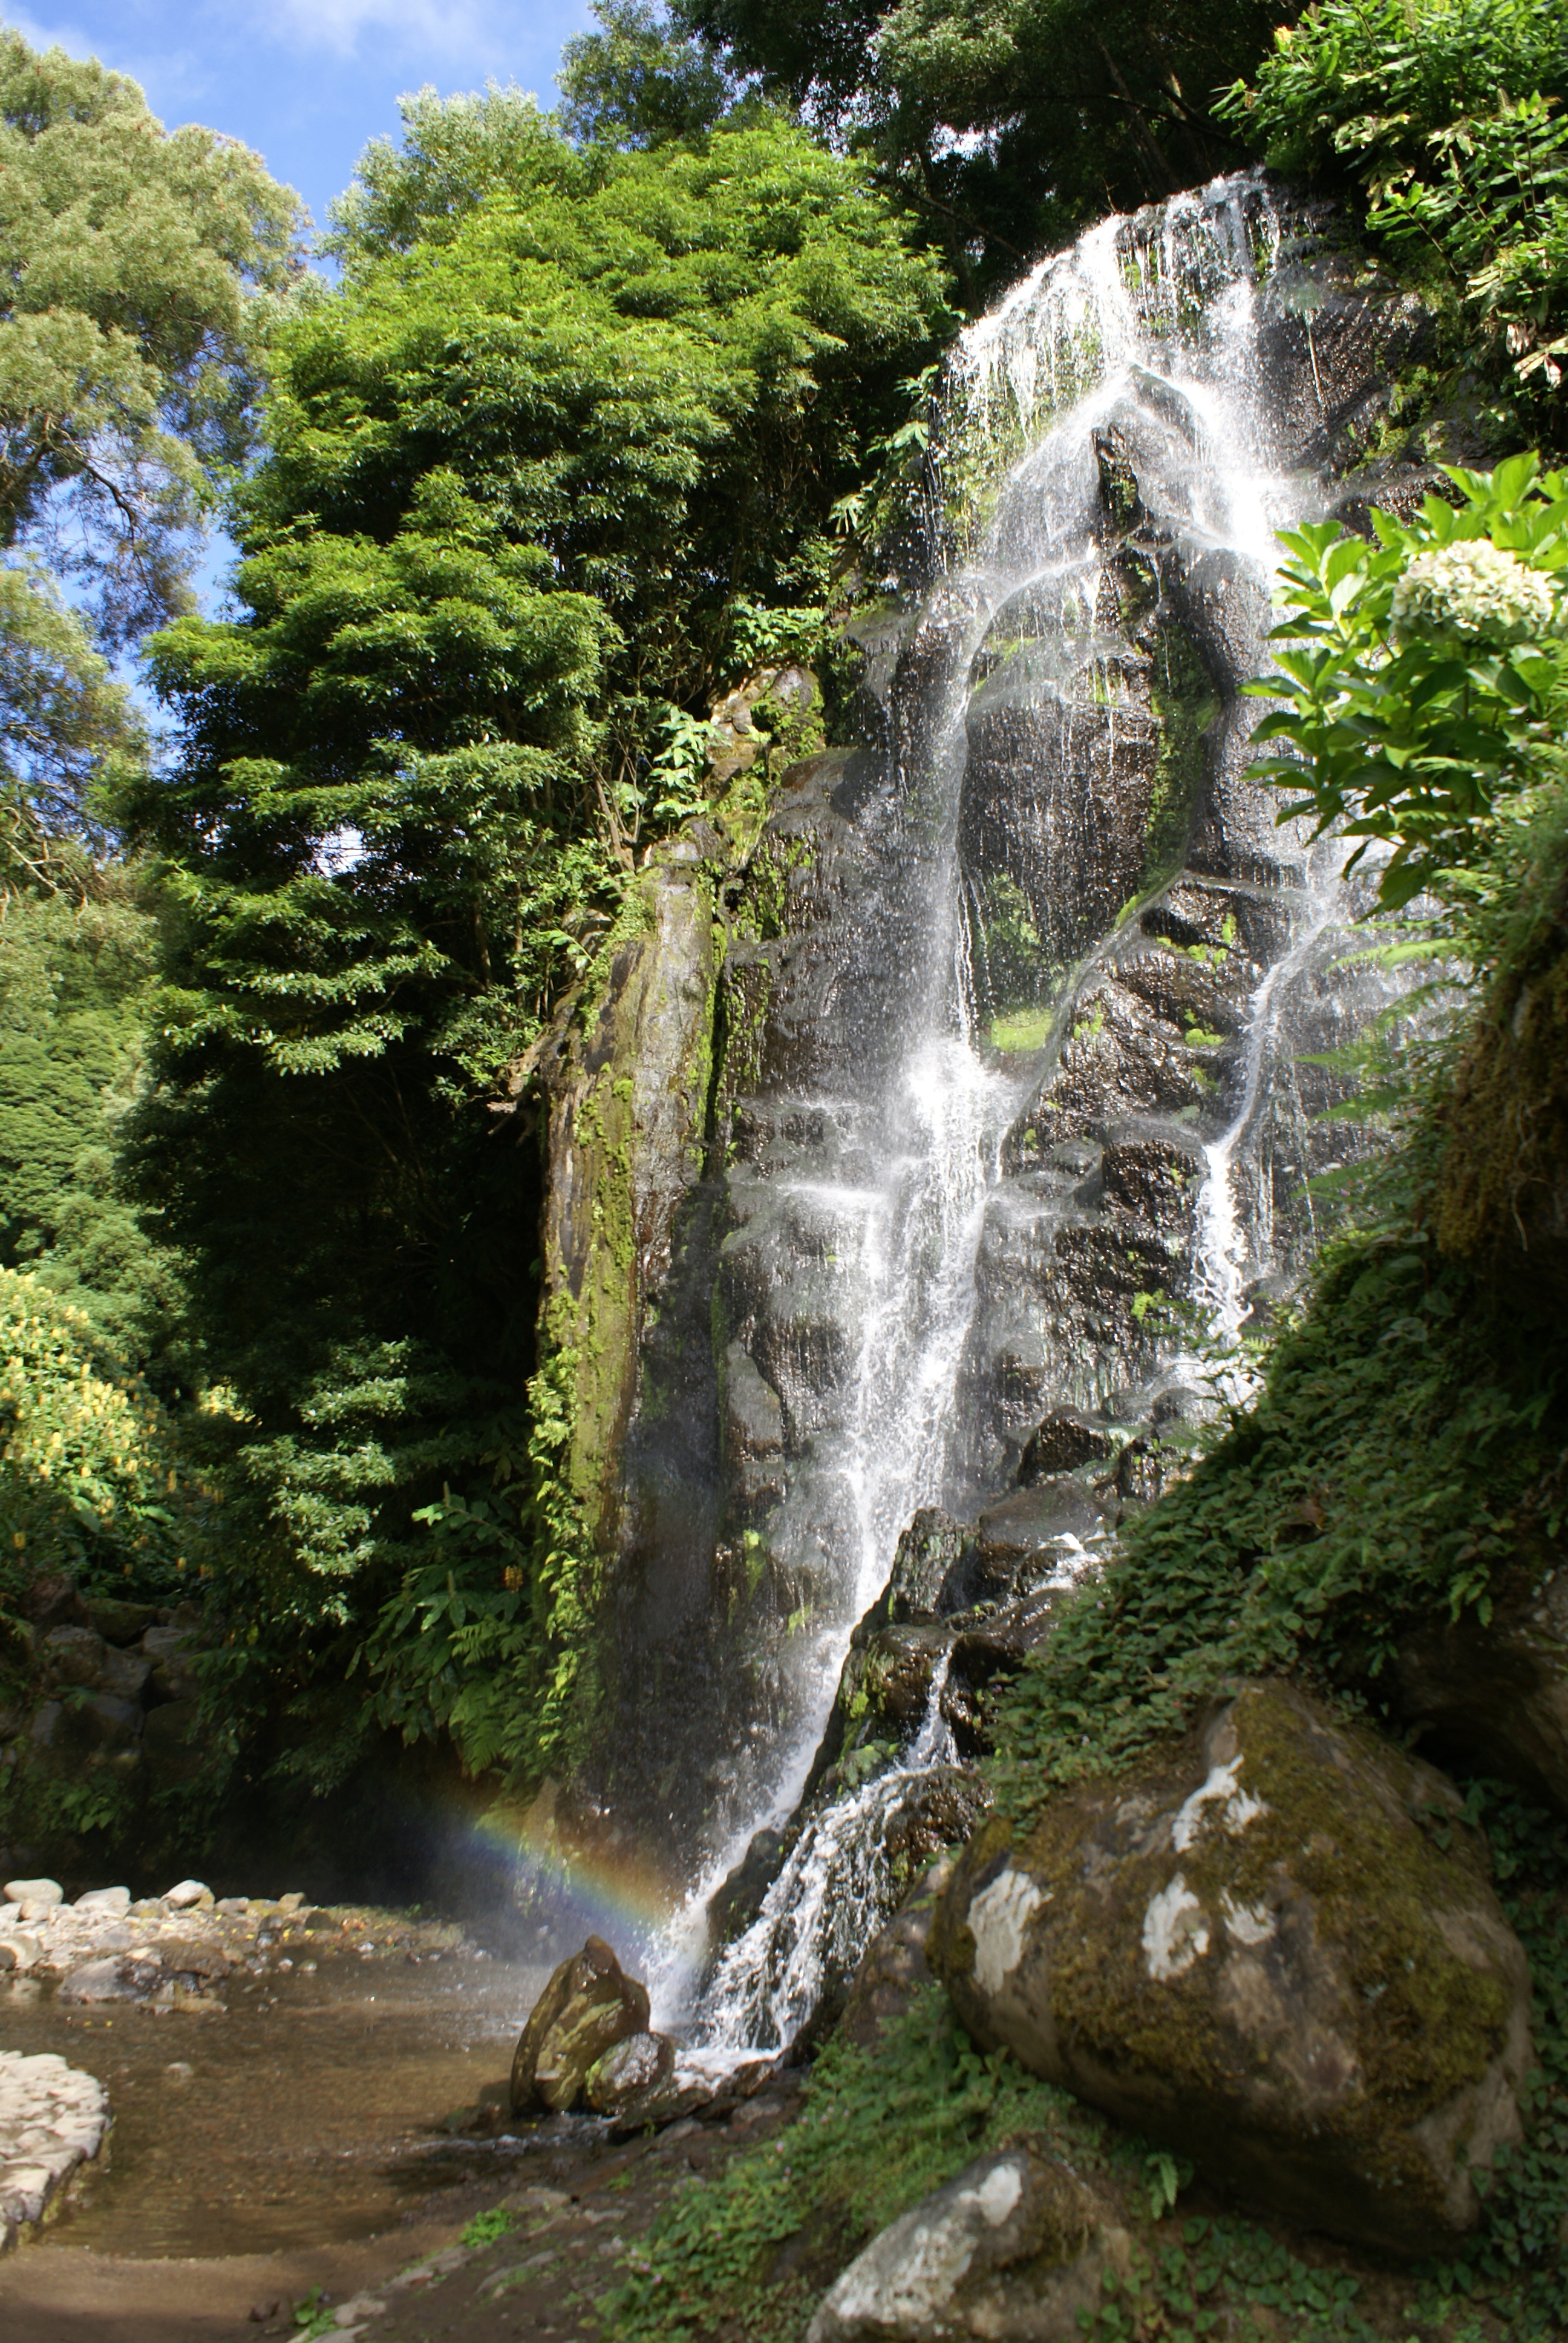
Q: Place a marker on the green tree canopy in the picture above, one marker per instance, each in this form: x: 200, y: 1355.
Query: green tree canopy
x: 131, y: 258
x: 1006, y: 124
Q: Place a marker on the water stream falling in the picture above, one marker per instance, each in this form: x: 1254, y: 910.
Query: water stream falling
x: 1109, y: 423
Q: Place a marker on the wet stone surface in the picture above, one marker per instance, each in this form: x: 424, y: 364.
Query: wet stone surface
x: 53, y: 2120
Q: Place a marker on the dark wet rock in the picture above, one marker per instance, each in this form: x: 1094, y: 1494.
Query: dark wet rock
x: 1018, y: 1538
x: 113, y: 1978
x: 1491, y: 1695
x: 80, y: 1657
x: 1018, y: 2249
x: 735, y: 1903
x: 588, y: 2006
x: 120, y: 1623
x: 171, y: 1651
x: 622, y: 2082
x: 940, y: 1810
x: 925, y: 1553
x: 52, y: 1600
x: 172, y: 1744
x: 893, y: 1966
x: 1063, y: 1442
x: 753, y: 1432
x: 1255, y: 1949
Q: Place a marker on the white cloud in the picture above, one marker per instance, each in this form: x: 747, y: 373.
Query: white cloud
x: 437, y: 27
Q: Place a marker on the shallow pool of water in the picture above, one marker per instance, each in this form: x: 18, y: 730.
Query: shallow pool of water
x: 309, y: 2119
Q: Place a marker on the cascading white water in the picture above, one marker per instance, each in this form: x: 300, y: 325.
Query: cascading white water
x: 1152, y: 326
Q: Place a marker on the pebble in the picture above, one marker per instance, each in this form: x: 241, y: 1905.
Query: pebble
x: 187, y: 1896
x: 34, y: 1898
x: 53, y: 2120
x: 114, y: 1900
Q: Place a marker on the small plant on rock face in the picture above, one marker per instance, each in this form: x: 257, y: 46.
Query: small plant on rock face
x: 486, y: 2228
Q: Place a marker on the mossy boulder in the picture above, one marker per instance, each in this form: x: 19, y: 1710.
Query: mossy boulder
x: 1017, y: 2248
x: 588, y: 2006
x: 1274, y: 1946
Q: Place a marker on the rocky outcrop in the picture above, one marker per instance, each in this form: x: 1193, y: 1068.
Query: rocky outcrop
x: 1255, y: 1949
x: 893, y: 1966
x: 588, y: 2006
x: 626, y: 1080
x: 1016, y: 2250
x: 630, y: 2077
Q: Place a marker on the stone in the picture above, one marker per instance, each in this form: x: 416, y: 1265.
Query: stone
x: 1494, y: 1693
x: 52, y: 1600
x: 739, y: 1897
x: 1255, y: 1948
x: 120, y: 1623
x: 291, y: 1902
x: 191, y: 1894
x: 75, y: 1655
x: 168, y: 1653
x: 893, y: 1966
x: 927, y: 1551
x: 588, y: 2006
x: 114, y: 1900
x: 18, y: 1951
x: 113, y: 1978
x: 36, y: 1898
x: 1020, y: 1541
x: 629, y: 2072
x: 1063, y: 1444
x: 1015, y: 2249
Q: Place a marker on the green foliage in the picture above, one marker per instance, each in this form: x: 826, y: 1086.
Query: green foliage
x: 1397, y: 1456
x: 74, y: 983
x: 90, y: 1476
x: 1444, y: 113
x: 637, y: 82
x: 1005, y: 124
x: 133, y: 266
x: 66, y: 728
x: 1432, y: 676
x: 879, y: 2129
x: 487, y: 2228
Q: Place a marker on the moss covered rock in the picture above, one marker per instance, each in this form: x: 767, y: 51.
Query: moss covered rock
x: 1274, y: 1946
x: 588, y: 2006
x: 1017, y: 2248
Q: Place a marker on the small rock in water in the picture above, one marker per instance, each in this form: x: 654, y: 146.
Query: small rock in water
x: 191, y: 1894
x: 180, y: 2071
x: 114, y: 1900
x: 1015, y: 2249
x: 38, y: 1898
x: 113, y: 1979
x: 588, y: 2006
x: 17, y: 1951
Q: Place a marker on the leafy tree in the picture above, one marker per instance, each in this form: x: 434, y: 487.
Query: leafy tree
x: 132, y: 261
x: 635, y: 82
x: 76, y: 980
x: 1444, y: 114
x: 1006, y: 124
x: 570, y: 409
x: 65, y: 721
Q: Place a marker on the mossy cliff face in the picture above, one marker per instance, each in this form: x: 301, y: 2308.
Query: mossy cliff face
x: 626, y: 1083
x: 1501, y: 1191
x: 1255, y: 1948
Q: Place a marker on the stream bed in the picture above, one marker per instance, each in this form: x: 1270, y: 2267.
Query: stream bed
x: 256, y: 2128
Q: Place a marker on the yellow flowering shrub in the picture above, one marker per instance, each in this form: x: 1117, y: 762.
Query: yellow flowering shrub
x: 88, y: 1477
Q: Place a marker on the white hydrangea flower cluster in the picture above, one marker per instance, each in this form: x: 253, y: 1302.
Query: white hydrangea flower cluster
x: 1475, y: 589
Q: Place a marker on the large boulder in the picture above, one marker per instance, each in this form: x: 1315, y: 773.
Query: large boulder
x: 1274, y: 1946
x: 588, y: 2006
x: 1015, y: 2249
x: 630, y: 2075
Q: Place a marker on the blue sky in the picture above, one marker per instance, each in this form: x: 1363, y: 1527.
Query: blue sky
x: 307, y: 82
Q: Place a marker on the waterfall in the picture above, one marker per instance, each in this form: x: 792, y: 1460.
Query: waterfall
x: 1058, y: 857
